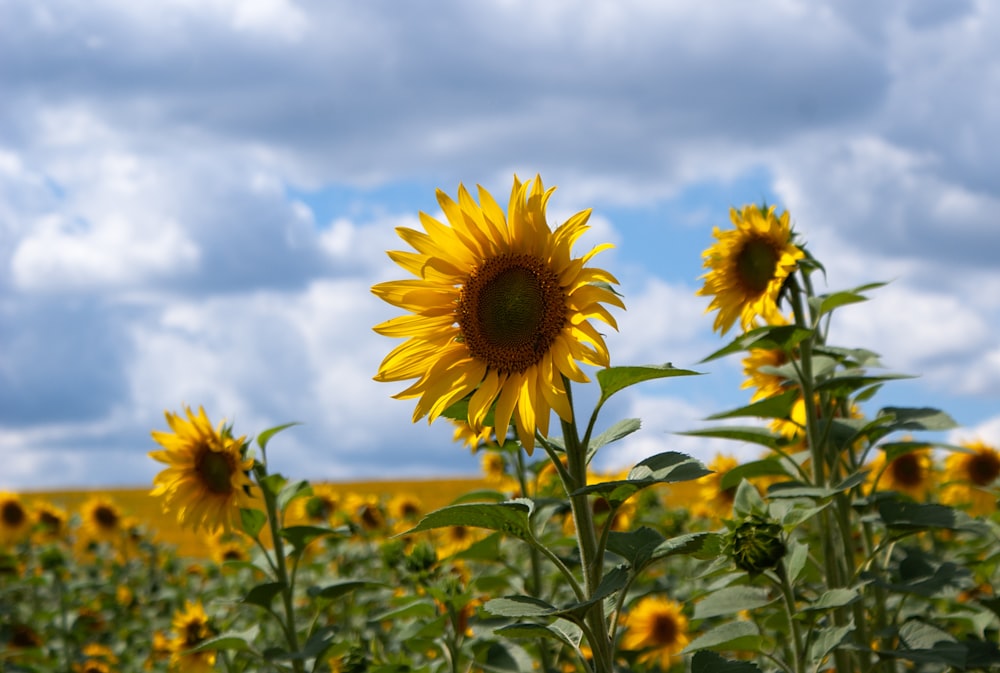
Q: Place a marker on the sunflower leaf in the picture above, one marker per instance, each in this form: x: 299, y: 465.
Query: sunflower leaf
x: 710, y: 662
x: 828, y: 302
x: 731, y: 600
x: 776, y: 406
x: 230, y: 640
x: 918, y: 418
x: 263, y: 594
x: 770, y: 337
x: 562, y: 630
x: 615, y: 379
x: 622, y: 428
x: 743, y: 636
x: 265, y: 437
x: 509, y: 517
x: 253, y: 521
x: 742, y: 433
x: 756, y: 468
x: 338, y: 589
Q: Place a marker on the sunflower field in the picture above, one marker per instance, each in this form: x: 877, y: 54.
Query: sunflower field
x: 856, y: 542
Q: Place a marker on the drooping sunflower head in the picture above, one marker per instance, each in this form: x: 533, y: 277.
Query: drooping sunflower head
x: 658, y: 629
x: 499, y: 311
x: 191, y: 628
x: 748, y: 266
x: 207, y: 479
x: 14, y: 519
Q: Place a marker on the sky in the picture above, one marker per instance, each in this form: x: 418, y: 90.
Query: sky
x: 197, y: 196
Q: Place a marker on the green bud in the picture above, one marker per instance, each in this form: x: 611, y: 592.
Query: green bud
x: 757, y: 545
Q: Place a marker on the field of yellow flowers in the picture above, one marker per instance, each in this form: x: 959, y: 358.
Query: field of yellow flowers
x: 853, y: 544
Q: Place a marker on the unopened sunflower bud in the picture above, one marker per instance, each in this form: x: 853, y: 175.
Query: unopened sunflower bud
x: 757, y: 545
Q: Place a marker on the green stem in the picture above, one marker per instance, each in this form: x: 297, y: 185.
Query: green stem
x: 287, y: 586
x: 591, y: 557
x: 789, y: 599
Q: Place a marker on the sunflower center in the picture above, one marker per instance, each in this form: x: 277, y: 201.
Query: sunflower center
x: 216, y: 472
x: 983, y: 468
x: 756, y: 263
x: 664, y: 629
x: 12, y: 514
x: 194, y: 632
x: 106, y: 517
x: 906, y: 471
x: 319, y: 509
x: 510, y: 311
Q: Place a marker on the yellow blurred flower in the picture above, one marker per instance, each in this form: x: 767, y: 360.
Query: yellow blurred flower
x: 499, y: 311
x: 715, y: 502
x: 318, y: 509
x: 228, y: 547
x: 101, y: 520
x: 405, y: 507
x: 494, y: 467
x: 657, y: 629
x: 749, y: 265
x: 970, y: 479
x: 765, y: 384
x: 451, y: 540
x: 206, y: 481
x: 15, y: 522
x: 50, y: 521
x: 366, y: 511
x: 191, y: 628
x: 911, y: 473
x: 465, y: 434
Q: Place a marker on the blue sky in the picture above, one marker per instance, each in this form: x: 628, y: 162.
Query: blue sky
x: 196, y: 197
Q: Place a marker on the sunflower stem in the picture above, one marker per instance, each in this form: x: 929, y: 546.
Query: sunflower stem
x: 591, y: 557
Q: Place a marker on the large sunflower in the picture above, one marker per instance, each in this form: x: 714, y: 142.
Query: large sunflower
x: 657, y: 628
x: 971, y: 478
x: 749, y: 264
x: 500, y: 311
x: 206, y: 482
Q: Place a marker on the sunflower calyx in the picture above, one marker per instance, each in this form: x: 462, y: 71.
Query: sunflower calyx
x: 757, y: 545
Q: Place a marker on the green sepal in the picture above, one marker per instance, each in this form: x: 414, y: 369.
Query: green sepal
x: 615, y: 379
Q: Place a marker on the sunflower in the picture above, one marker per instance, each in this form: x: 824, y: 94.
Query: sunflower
x: 101, y: 520
x: 50, y: 521
x: 191, y: 628
x: 207, y: 480
x: 228, y: 547
x: 657, y: 628
x: 494, y: 467
x: 472, y: 438
x: 749, y: 265
x: 405, y: 507
x: 318, y: 509
x: 911, y: 473
x: 500, y: 312
x: 970, y: 478
x: 767, y: 384
x: 715, y: 502
x: 14, y: 520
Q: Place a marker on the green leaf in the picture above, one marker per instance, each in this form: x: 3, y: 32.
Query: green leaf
x: 826, y: 640
x: 731, y: 600
x: 795, y: 561
x: 770, y: 337
x: 794, y: 489
x: 265, y: 437
x: 826, y: 303
x: 919, y: 418
x: 338, y: 589
x: 902, y: 514
x: 272, y: 484
x: 520, y: 607
x: 776, y: 406
x: 710, y: 662
x: 747, y: 501
x: 622, y: 428
x: 757, y: 468
x: 420, y: 608
x: 252, y: 521
x: 301, y: 536
x: 835, y: 598
x: 668, y: 467
x: 615, y: 379
x: 507, y: 517
x: 741, y: 433
x: 729, y: 636
x: 263, y: 594
x: 290, y: 492
x: 562, y: 630
x: 230, y: 640
x: 482, y: 495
